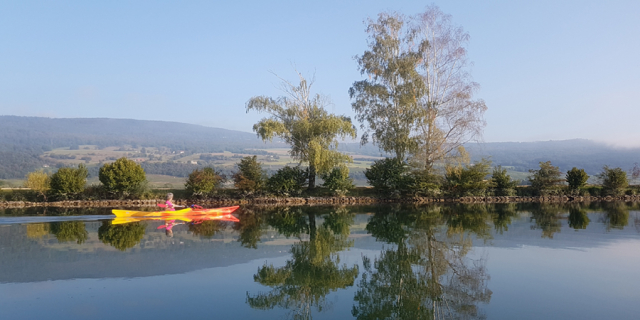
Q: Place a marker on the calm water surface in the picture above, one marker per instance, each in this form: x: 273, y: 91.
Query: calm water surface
x: 377, y: 262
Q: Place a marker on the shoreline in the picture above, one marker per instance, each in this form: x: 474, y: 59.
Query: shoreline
x: 297, y: 201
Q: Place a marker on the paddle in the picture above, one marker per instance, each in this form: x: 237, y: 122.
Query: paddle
x: 164, y: 206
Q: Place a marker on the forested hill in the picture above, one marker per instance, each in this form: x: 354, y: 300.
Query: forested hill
x: 36, y: 133
x: 566, y: 154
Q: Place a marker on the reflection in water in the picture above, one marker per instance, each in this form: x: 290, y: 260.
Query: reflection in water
x: 251, y: 226
x: 578, y: 218
x: 314, y: 269
x: 427, y: 275
x: 206, y: 229
x: 121, y: 236
x: 69, y: 231
x: 37, y: 230
x: 616, y: 215
x: 546, y: 218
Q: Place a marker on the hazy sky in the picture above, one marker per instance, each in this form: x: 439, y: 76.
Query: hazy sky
x: 548, y: 70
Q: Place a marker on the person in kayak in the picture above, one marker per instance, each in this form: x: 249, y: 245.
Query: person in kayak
x: 168, y: 203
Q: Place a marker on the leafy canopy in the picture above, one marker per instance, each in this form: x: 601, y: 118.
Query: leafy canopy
x: 123, y: 176
x: 203, y: 182
x: 576, y: 178
x: 69, y: 180
x: 300, y: 119
x: 250, y: 176
x: 545, y: 178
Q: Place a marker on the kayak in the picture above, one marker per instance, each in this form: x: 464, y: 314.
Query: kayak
x: 195, y: 218
x: 176, y: 213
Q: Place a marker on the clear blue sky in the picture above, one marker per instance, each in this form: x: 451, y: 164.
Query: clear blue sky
x: 548, y: 70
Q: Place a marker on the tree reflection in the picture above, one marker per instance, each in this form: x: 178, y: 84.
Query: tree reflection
x: 547, y: 219
x: 206, y: 229
x: 314, y: 269
x: 427, y: 275
x: 69, y: 231
x: 502, y: 215
x: 578, y: 218
x: 616, y: 215
x: 121, y: 236
x: 251, y: 226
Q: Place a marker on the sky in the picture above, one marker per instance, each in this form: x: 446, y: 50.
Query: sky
x: 548, y: 69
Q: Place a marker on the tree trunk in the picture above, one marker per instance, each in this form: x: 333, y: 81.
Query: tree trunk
x: 312, y: 177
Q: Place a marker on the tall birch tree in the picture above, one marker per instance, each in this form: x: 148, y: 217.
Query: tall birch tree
x: 301, y: 120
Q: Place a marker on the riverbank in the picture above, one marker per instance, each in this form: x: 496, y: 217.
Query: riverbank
x: 293, y: 201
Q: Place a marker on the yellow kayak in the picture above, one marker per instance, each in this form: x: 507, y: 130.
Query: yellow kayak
x: 197, y: 218
x: 169, y: 213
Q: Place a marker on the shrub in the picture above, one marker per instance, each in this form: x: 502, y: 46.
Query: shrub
x: 576, y: 178
x: 123, y: 177
x: 338, y: 181
x: 69, y: 181
x: 39, y: 182
x: 546, y: 178
x: 614, y: 181
x: 468, y: 180
x: 388, y: 175
x: 288, y: 181
x: 250, y: 176
x: 203, y: 182
x: 502, y: 183
x: 421, y: 183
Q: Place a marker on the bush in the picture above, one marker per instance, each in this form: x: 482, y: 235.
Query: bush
x: 576, y: 178
x: 338, y: 181
x: 614, y: 181
x: 203, y: 182
x: 123, y: 177
x: 421, y: 183
x: 288, y: 181
x: 69, y: 181
x: 502, y: 183
x: 468, y: 180
x: 38, y: 182
x: 546, y: 178
x: 250, y: 176
x: 389, y: 175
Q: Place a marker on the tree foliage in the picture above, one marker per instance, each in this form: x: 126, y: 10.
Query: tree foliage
x: 576, y: 178
x: 338, y: 180
x: 418, y: 99
x: 288, y: 181
x: 545, y: 178
x: 389, y: 175
x: 300, y: 119
x: 502, y: 183
x: 69, y: 181
x: 467, y: 180
x: 122, y: 177
x: 203, y: 182
x: 614, y: 181
x: 250, y: 177
x: 386, y: 104
x: 39, y: 182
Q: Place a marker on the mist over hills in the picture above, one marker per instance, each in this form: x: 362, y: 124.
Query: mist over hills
x: 24, y: 139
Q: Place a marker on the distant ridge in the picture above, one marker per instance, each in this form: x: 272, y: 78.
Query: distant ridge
x: 36, y: 132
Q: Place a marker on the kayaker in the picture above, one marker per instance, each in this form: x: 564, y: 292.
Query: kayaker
x: 168, y: 203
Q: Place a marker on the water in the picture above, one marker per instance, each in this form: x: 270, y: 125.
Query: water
x: 371, y: 262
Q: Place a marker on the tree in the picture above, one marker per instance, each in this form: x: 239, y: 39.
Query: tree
x: 502, y: 183
x: 576, y: 178
x: 467, y: 180
x: 69, y: 181
x: 614, y: 181
x: 545, y: 178
x: 288, y: 181
x: 450, y: 117
x: 388, y: 175
x: 338, y: 180
x: 578, y: 218
x: 122, y: 177
x: 39, y: 182
x: 386, y: 104
x: 250, y: 176
x: 121, y: 236
x: 300, y: 119
x: 203, y: 182
x: 419, y: 98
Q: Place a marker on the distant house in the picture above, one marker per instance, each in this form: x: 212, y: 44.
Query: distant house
x: 45, y: 166
x: 181, y: 152
x: 194, y: 162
